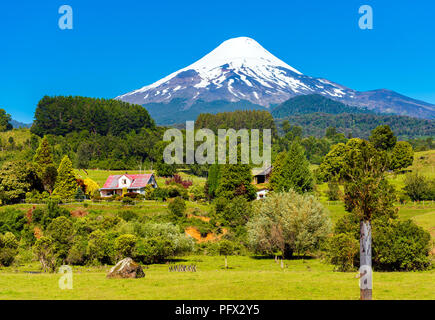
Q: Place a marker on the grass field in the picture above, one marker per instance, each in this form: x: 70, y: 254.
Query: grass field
x: 247, y: 278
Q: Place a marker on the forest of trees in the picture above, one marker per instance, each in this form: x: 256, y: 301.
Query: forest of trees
x: 312, y: 103
x: 247, y: 119
x: 62, y: 115
x: 360, y: 125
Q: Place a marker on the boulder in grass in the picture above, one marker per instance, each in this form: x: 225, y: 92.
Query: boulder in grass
x: 126, y: 268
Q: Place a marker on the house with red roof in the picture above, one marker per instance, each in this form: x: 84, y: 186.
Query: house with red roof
x: 131, y: 182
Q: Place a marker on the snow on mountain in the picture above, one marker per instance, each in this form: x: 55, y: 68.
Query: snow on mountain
x: 240, y: 69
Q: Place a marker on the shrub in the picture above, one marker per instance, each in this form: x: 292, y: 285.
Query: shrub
x: 132, y: 195
x: 8, y: 249
x: 234, y: 212
x: 77, y: 253
x: 128, y: 215
x: 177, y: 207
x: 418, y: 187
x: 12, y: 220
x: 125, y: 246
x: 99, y: 249
x: 400, y: 246
x: 126, y: 201
x: 178, y: 180
x: 343, y: 249
x: 154, y: 250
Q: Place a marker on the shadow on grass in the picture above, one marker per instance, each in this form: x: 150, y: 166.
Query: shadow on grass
x: 257, y: 257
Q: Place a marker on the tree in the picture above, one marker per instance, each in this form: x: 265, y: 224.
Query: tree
x: 44, y: 250
x: 236, y: 180
x: 383, y: 138
x: 43, y: 157
x: 66, y: 183
x: 79, y: 196
x: 5, y: 120
x: 61, y: 232
x: 402, y: 156
x: 233, y: 213
x: 226, y: 248
x: 91, y: 187
x: 367, y: 193
x: 49, y: 177
x: 213, y: 180
x: 177, y: 207
x: 291, y: 171
x: 333, y: 162
x: 16, y: 179
x: 287, y: 222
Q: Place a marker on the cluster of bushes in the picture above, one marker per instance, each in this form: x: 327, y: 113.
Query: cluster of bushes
x: 56, y: 237
x: 396, y: 246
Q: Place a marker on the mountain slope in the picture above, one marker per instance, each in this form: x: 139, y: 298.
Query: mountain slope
x: 313, y: 103
x: 240, y: 69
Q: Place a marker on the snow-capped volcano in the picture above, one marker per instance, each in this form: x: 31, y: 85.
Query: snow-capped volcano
x: 240, y: 69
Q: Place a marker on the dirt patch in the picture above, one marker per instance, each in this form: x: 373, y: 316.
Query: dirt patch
x: 78, y: 213
x: 195, y: 234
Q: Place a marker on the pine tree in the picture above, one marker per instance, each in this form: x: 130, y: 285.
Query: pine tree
x: 235, y: 180
x: 66, y: 183
x: 291, y: 171
x: 43, y: 157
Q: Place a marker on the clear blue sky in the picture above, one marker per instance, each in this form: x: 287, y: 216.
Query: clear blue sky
x: 118, y: 46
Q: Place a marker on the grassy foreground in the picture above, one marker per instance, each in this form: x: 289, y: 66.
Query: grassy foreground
x: 247, y: 278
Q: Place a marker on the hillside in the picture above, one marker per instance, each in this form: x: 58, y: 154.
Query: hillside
x: 312, y: 103
x: 360, y: 125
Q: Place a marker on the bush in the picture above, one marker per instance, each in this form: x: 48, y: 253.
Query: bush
x: 418, y: 187
x: 343, y: 249
x: 177, y: 207
x: 400, y: 246
x: 232, y: 213
x: 126, y: 201
x: 8, y: 249
x: 132, y: 195
x: 12, y: 220
x: 125, y: 246
x: 128, y: 215
x: 178, y: 180
x: 77, y: 253
x: 99, y: 248
x: 154, y: 250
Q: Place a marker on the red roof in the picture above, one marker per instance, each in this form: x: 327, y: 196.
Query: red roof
x: 138, y: 180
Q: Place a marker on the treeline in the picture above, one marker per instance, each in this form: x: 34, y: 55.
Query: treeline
x: 360, y: 125
x: 247, y: 119
x: 62, y: 115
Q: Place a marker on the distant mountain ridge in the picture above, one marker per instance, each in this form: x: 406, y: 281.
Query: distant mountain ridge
x: 16, y: 124
x: 240, y: 70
